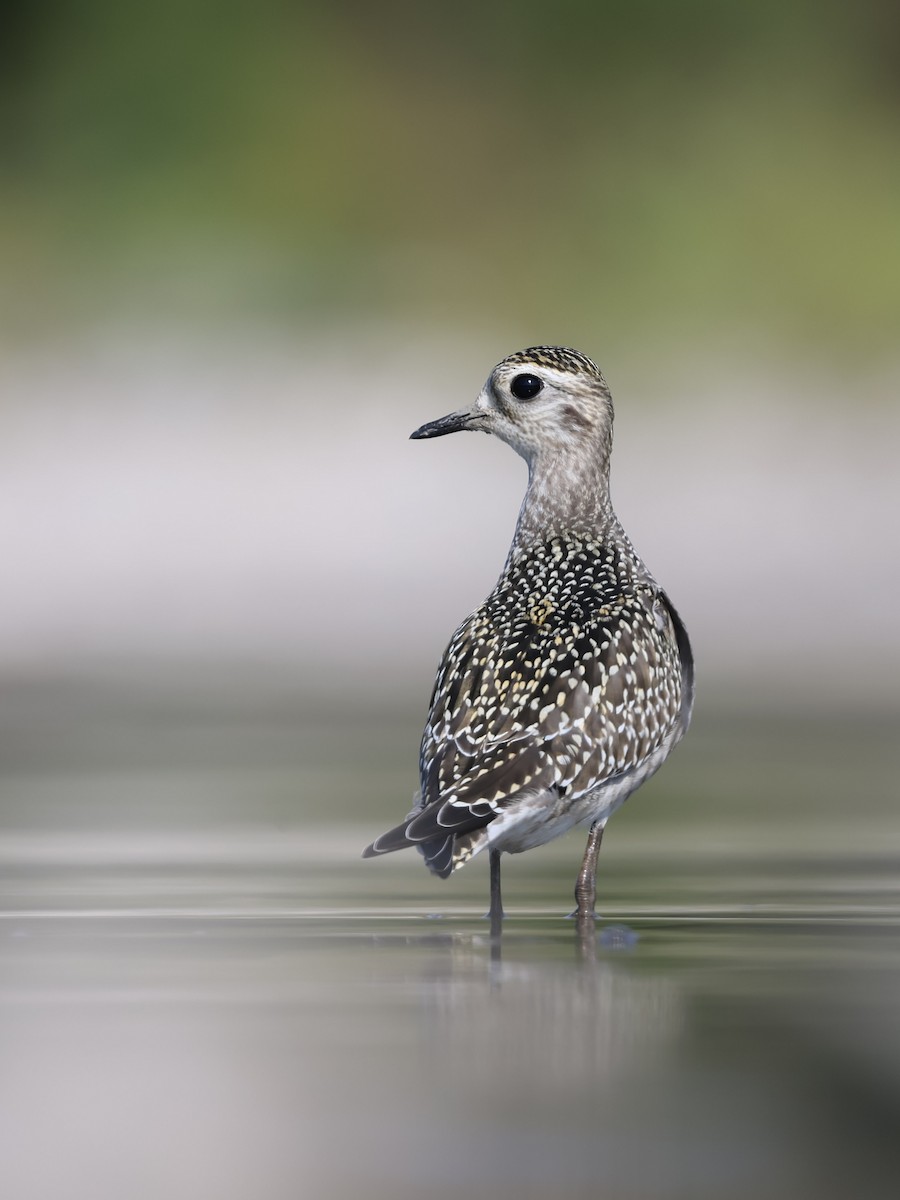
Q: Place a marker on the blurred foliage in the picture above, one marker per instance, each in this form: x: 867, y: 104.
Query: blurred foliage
x: 640, y: 167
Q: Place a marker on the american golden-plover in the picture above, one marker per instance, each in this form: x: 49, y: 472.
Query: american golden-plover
x: 573, y: 681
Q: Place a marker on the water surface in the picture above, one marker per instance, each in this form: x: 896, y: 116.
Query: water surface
x: 206, y: 995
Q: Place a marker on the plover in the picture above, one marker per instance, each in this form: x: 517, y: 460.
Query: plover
x: 570, y: 685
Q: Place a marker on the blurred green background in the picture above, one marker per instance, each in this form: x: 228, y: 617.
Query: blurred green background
x: 704, y: 171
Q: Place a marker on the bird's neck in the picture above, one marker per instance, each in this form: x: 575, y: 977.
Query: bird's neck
x: 568, y: 494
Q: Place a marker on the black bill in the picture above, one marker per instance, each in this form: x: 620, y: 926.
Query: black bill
x: 452, y: 423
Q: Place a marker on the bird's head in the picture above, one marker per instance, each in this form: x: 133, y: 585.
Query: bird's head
x: 544, y: 401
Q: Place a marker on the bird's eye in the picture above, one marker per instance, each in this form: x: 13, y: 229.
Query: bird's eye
x: 525, y: 387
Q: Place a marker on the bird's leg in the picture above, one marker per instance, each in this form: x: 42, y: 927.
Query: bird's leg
x: 496, y: 909
x: 586, y: 883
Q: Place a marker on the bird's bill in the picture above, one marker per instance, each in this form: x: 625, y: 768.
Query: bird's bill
x: 452, y: 423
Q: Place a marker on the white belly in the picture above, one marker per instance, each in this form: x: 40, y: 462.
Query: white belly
x: 534, y: 820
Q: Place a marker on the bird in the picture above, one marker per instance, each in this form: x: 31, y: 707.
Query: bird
x: 571, y: 684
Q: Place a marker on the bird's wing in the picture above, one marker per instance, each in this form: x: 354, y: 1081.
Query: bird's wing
x: 538, y: 705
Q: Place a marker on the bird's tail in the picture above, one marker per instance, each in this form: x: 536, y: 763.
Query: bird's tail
x: 437, y: 852
x: 394, y: 839
x: 442, y: 846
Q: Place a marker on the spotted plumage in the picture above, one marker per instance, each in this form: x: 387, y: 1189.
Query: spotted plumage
x: 571, y: 683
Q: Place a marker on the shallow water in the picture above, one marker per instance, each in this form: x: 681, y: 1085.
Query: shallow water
x: 208, y: 1008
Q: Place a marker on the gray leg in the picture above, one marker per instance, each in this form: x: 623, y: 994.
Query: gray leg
x: 586, y: 883
x: 496, y: 910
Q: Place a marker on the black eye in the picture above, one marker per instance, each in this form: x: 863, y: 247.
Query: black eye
x: 525, y: 387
